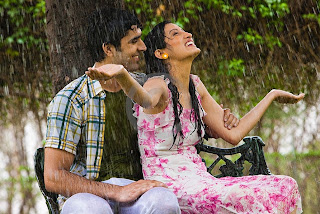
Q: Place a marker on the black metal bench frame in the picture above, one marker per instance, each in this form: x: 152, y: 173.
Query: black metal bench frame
x: 251, y: 151
x: 51, y: 198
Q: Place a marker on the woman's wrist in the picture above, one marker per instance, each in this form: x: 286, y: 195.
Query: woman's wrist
x: 123, y: 76
x: 274, y: 93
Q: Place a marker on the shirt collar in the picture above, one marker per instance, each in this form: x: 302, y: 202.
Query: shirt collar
x: 94, y: 86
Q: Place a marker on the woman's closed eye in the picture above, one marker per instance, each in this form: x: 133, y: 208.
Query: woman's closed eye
x: 173, y: 33
x: 176, y: 32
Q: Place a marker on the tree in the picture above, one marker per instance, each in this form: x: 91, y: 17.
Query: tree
x: 66, y: 27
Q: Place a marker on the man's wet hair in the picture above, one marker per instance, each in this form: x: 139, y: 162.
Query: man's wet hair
x: 108, y: 26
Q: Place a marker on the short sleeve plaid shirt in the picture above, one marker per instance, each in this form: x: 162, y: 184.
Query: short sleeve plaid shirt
x: 76, y: 124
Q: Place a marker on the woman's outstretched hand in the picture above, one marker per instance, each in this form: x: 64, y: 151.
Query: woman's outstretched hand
x: 105, y: 72
x: 286, y: 97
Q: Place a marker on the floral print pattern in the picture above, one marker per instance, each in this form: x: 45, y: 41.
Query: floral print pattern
x: 181, y: 168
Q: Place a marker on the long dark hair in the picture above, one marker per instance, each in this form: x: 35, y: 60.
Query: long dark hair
x: 153, y: 41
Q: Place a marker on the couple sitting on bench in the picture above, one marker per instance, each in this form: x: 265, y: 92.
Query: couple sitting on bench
x: 86, y: 147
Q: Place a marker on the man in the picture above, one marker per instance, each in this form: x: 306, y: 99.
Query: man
x: 85, y: 144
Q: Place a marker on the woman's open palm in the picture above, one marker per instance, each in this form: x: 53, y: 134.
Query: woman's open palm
x: 105, y: 72
x: 287, y: 97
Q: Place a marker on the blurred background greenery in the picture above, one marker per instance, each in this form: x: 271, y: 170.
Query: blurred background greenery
x: 248, y: 48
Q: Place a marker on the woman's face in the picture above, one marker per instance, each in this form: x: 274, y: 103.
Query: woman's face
x: 180, y: 45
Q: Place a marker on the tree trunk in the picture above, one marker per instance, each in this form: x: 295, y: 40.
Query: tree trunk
x: 66, y: 33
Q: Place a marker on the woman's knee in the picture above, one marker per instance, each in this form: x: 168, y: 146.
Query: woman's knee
x: 86, y: 203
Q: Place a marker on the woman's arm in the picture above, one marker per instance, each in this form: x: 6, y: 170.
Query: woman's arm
x: 214, y: 116
x: 153, y: 94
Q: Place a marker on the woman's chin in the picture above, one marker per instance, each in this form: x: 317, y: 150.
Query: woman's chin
x: 190, y: 55
x: 196, y: 52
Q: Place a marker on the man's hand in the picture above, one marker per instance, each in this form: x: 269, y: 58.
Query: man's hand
x: 230, y: 121
x: 134, y: 190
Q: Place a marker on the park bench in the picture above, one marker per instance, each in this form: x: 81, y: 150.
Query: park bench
x: 250, y: 151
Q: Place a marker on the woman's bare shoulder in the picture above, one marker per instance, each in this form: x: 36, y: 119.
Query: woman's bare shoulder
x: 200, y: 87
x: 155, y: 81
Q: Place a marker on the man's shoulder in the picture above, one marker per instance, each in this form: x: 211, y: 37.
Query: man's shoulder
x: 74, y: 87
x: 79, y: 91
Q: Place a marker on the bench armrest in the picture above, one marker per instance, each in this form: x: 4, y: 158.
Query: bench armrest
x: 51, y: 198
x: 250, y: 151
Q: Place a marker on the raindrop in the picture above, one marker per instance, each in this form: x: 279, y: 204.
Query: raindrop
x: 75, y: 73
x: 309, y: 28
x: 247, y: 46
x: 6, y: 90
x: 58, y: 47
x: 295, y: 40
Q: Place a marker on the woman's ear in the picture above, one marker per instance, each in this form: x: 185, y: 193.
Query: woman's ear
x: 160, y: 54
x: 108, y: 49
x: 157, y: 53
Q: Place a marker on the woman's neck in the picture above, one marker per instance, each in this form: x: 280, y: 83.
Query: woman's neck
x: 180, y: 73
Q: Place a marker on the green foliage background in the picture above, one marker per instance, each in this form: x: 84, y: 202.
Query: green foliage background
x: 248, y: 48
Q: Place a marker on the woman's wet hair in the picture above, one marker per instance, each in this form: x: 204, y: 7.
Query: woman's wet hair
x: 156, y: 40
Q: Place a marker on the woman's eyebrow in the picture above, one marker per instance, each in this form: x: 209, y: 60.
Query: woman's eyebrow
x: 173, y: 29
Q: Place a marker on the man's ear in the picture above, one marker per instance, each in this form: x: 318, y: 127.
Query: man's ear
x: 108, y: 49
x: 158, y: 53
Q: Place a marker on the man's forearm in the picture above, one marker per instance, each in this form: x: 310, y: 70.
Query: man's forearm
x: 67, y: 184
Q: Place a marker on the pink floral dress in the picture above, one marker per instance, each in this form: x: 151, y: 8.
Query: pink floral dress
x: 182, y: 169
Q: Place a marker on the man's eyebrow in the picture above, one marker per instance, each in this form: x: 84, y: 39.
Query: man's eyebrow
x: 136, y: 37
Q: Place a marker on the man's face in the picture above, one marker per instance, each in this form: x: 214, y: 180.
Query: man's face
x: 131, y: 49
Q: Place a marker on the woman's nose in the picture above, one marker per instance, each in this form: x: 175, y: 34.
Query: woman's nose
x: 188, y: 35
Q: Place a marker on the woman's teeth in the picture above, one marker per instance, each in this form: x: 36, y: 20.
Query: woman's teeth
x: 189, y: 43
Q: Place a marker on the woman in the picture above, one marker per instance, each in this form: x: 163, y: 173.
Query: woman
x: 171, y: 117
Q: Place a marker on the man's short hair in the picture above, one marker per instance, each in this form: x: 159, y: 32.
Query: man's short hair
x: 109, y: 26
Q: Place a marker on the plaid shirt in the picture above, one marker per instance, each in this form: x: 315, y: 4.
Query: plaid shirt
x: 76, y: 124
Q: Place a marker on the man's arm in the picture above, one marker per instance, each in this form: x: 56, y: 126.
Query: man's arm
x: 58, y: 179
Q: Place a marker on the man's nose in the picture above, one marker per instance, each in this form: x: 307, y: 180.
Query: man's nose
x: 142, y: 46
